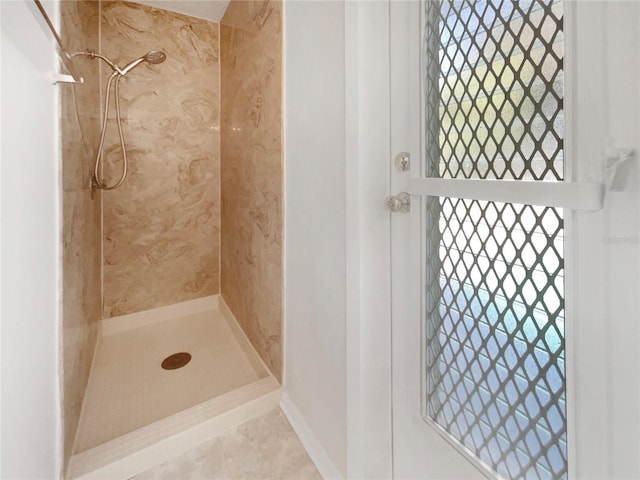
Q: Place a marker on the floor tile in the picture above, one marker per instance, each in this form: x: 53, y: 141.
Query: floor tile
x: 206, y: 462
x: 265, y: 448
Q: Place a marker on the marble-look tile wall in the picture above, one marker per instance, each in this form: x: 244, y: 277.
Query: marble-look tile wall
x: 251, y: 172
x: 81, y: 262
x: 162, y: 226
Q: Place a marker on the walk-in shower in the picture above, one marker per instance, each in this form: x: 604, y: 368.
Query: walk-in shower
x: 153, y: 58
x: 150, y: 272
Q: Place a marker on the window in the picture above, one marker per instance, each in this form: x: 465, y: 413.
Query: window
x: 495, y: 361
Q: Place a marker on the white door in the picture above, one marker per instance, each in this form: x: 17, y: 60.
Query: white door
x: 492, y: 103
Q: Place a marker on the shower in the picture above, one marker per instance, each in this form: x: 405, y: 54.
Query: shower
x: 153, y: 57
x: 146, y: 265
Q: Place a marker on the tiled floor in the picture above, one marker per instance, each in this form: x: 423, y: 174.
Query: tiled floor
x: 264, y: 448
x: 128, y: 389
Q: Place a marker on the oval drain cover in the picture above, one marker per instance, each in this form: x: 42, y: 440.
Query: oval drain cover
x: 177, y: 360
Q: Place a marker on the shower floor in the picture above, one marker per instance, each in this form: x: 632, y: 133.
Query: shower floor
x: 129, y: 393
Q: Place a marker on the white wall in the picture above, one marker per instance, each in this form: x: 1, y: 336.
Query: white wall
x: 315, y: 230
x: 368, y: 163
x: 337, y: 304
x: 622, y: 67
x: 337, y: 243
x: 30, y: 428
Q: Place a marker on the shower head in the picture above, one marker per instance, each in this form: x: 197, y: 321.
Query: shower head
x: 153, y: 57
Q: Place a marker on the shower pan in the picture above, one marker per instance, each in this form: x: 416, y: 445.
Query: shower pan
x: 166, y: 380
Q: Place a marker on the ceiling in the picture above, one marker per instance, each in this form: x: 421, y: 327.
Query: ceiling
x: 212, y: 10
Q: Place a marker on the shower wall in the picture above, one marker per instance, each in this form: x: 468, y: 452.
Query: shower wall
x: 251, y: 172
x: 81, y: 238
x: 162, y: 227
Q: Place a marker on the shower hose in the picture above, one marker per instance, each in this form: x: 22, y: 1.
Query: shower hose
x: 96, y: 181
x: 153, y: 57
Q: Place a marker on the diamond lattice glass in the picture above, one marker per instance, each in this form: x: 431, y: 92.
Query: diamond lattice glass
x: 495, y: 363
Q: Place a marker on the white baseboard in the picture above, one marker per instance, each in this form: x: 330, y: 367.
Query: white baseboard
x: 314, y: 448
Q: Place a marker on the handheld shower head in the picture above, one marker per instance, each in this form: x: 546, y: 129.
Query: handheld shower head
x: 153, y: 57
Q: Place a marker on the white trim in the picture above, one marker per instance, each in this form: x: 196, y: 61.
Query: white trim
x: 368, y: 242
x: 318, y: 455
x: 570, y: 257
x: 588, y: 435
x: 577, y: 196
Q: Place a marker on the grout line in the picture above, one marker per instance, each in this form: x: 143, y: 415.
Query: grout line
x: 220, y: 158
x: 101, y: 101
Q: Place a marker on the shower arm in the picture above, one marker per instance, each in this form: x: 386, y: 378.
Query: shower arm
x: 91, y: 54
x: 152, y: 57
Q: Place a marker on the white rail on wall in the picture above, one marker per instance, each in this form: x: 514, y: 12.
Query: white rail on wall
x: 65, y: 57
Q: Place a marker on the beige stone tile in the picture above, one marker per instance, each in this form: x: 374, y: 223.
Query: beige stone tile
x: 79, y: 131
x: 80, y: 103
x: 267, y: 448
x: 162, y: 227
x: 206, y: 462
x: 251, y: 172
